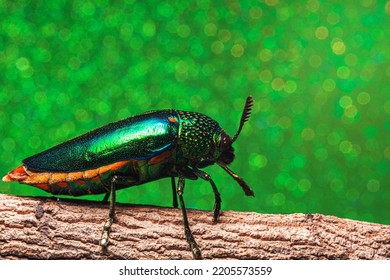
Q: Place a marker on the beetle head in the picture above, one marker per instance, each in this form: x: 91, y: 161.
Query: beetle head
x: 226, y: 151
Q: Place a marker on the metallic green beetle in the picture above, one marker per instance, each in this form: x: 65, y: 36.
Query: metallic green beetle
x: 134, y: 151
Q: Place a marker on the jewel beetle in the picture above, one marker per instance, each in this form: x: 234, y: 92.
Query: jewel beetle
x: 133, y: 151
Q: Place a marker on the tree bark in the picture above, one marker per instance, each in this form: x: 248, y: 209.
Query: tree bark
x: 44, y: 228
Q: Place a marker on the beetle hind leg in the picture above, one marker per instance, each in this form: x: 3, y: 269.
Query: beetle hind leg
x: 116, y: 180
x: 111, y: 214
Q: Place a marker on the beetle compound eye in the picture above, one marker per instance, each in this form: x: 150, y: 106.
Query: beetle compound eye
x: 225, y: 143
x: 226, y: 149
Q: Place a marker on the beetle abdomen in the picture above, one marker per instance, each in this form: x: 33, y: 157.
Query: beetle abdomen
x: 70, y: 183
x: 98, y: 180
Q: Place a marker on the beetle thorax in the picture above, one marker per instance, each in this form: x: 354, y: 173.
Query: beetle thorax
x: 197, y: 134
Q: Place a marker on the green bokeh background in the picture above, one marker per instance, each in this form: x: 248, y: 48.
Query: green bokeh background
x: 318, y: 140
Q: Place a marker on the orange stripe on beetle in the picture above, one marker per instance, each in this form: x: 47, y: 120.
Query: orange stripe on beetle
x: 160, y: 158
x: 37, y: 178
x: 118, y: 165
x: 172, y: 119
x: 56, y: 177
x: 73, y: 176
x: 90, y: 173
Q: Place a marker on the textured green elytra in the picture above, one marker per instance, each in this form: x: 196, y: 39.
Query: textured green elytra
x: 136, y: 138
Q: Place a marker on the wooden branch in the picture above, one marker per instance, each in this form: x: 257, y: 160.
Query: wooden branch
x: 44, y: 228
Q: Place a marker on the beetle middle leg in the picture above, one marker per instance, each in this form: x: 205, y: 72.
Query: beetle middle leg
x: 106, y: 196
x: 190, y: 238
x: 174, y: 196
x: 217, y: 196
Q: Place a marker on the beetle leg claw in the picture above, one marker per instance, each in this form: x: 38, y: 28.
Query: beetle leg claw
x: 106, y: 230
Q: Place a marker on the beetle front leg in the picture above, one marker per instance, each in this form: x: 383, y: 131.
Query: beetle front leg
x: 217, y: 196
x: 247, y: 190
x: 190, y: 238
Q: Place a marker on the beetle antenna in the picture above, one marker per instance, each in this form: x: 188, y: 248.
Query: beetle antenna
x: 245, y: 115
